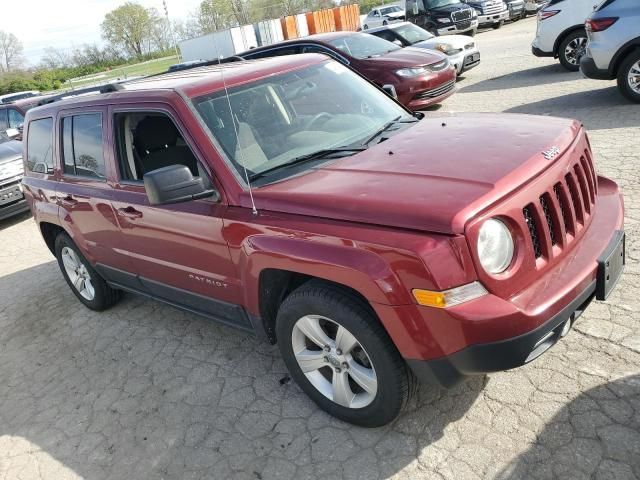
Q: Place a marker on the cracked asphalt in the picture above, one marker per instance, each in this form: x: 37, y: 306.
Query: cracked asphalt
x: 146, y: 391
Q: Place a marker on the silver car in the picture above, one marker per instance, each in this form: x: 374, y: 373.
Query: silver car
x: 613, y: 50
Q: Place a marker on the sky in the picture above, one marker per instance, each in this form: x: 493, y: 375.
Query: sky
x: 66, y: 23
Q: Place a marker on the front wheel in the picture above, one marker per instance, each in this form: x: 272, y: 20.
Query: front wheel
x: 84, y: 281
x: 498, y: 25
x: 629, y: 77
x: 338, y: 352
x: 472, y: 33
x: 572, y: 49
x: 365, y: 27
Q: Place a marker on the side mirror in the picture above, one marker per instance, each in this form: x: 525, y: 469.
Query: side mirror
x: 175, y: 184
x: 12, y: 132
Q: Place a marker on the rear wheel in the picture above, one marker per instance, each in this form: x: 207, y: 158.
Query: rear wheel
x: 629, y: 77
x: 365, y: 27
x: 341, y: 356
x: 572, y: 49
x: 84, y: 281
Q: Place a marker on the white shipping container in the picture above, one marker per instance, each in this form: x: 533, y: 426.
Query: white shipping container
x: 269, y: 32
x: 208, y: 47
x: 303, y: 28
x: 243, y: 38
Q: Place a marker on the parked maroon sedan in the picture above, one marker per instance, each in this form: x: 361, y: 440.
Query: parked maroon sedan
x: 417, y: 78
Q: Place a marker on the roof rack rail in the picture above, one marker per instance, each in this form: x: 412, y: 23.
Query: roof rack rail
x: 108, y: 88
x: 204, y: 63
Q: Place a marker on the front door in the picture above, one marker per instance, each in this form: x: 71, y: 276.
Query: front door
x: 178, y: 250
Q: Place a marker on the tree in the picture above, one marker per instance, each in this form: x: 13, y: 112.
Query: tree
x: 10, y: 51
x: 212, y: 15
x: 129, y: 27
x: 56, y: 58
x: 161, y: 33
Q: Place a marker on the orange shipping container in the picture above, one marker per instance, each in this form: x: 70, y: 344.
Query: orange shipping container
x: 289, y: 28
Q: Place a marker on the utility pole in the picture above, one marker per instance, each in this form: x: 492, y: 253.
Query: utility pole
x: 173, y: 33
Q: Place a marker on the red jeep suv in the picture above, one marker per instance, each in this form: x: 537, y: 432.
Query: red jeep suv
x: 291, y: 198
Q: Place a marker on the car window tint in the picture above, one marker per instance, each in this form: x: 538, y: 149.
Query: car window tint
x: 16, y: 119
x: 386, y: 34
x: 275, y: 52
x: 39, y: 142
x: 147, y: 141
x: 4, y: 123
x: 323, y: 50
x: 82, y: 145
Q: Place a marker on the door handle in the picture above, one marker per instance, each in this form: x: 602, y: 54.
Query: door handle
x: 129, y: 212
x: 69, y: 201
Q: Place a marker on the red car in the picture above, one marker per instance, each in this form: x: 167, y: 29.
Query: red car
x: 417, y: 78
x: 293, y: 199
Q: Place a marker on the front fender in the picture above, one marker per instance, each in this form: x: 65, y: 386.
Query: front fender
x: 361, y: 270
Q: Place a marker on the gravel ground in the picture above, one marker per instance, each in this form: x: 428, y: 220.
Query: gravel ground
x: 145, y: 391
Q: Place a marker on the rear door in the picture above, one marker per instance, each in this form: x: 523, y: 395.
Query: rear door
x: 84, y: 191
x: 179, y: 251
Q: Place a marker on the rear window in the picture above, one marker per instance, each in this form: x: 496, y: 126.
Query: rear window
x: 39, y: 142
x: 604, y: 5
x: 82, y: 145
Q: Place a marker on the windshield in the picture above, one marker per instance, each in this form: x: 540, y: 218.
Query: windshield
x: 388, y: 10
x: 412, y: 33
x: 362, y: 45
x: 439, y: 3
x: 288, y: 116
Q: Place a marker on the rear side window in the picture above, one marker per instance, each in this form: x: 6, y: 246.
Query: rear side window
x: 82, y: 145
x: 275, y: 52
x: 604, y: 5
x: 39, y: 143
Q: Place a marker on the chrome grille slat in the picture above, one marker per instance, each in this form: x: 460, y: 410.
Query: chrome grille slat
x: 461, y: 15
x: 436, y: 92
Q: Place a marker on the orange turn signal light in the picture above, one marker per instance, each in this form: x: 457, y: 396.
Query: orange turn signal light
x: 430, y: 299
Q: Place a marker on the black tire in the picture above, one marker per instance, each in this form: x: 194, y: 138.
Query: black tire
x: 105, y: 296
x: 385, y: 23
x: 365, y: 27
x: 567, y: 62
x: 623, y: 76
x: 472, y: 33
x: 498, y: 26
x: 395, y: 382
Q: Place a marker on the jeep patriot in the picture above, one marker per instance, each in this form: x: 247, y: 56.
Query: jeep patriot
x: 291, y: 198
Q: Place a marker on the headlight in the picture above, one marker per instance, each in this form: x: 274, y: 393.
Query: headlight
x: 444, y: 20
x: 474, y: 13
x: 495, y: 246
x: 447, y: 49
x: 411, y: 72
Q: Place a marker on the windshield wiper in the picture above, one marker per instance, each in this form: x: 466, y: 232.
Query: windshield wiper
x: 386, y: 127
x: 320, y: 154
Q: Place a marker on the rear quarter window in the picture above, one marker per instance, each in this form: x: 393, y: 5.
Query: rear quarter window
x: 39, y: 146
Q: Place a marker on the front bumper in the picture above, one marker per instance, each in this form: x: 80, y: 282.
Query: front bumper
x: 493, y: 19
x: 424, y: 91
x: 12, y: 201
x: 538, y: 52
x: 492, y: 333
x: 459, y: 28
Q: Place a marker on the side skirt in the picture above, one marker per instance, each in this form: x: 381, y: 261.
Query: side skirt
x: 222, y: 312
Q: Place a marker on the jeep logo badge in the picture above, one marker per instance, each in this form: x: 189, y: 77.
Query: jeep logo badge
x: 552, y: 153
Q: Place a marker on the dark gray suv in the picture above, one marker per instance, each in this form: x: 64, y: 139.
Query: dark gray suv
x: 614, y: 45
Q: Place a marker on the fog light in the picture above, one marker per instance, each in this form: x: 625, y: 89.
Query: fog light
x: 449, y: 298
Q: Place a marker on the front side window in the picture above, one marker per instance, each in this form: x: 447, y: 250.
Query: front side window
x: 39, y: 143
x: 16, y: 119
x: 147, y: 141
x: 274, y: 52
x: 362, y: 45
x: 82, y: 145
x: 278, y: 120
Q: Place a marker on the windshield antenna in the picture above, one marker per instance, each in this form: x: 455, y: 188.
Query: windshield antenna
x: 235, y: 130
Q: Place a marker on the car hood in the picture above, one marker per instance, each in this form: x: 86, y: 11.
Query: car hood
x: 434, y: 176
x: 405, y: 57
x: 10, y: 151
x: 454, y: 41
x: 395, y: 15
x: 448, y: 9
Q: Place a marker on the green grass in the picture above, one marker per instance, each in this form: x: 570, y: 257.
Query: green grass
x: 126, y: 71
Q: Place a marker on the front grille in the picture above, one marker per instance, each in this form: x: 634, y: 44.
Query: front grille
x: 461, y: 15
x: 10, y: 194
x: 436, y: 92
x: 492, y: 8
x: 463, y: 25
x: 564, y: 209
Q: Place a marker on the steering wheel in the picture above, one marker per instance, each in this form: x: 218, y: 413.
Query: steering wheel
x: 320, y: 117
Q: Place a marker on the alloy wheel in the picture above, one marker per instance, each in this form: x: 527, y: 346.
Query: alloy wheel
x: 634, y: 77
x: 334, y: 361
x: 575, y: 50
x: 78, y: 274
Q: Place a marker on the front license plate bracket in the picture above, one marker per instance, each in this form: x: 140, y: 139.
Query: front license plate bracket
x: 611, y: 265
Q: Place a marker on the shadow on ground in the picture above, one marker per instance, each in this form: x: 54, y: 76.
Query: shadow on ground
x: 532, y: 77
x: 600, y: 109
x: 10, y: 222
x: 147, y: 391
x: 597, y: 435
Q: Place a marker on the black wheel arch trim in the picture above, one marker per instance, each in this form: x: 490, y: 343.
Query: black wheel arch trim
x: 621, y: 55
x: 564, y: 35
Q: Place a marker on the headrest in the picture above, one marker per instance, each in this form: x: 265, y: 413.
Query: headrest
x: 153, y: 133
